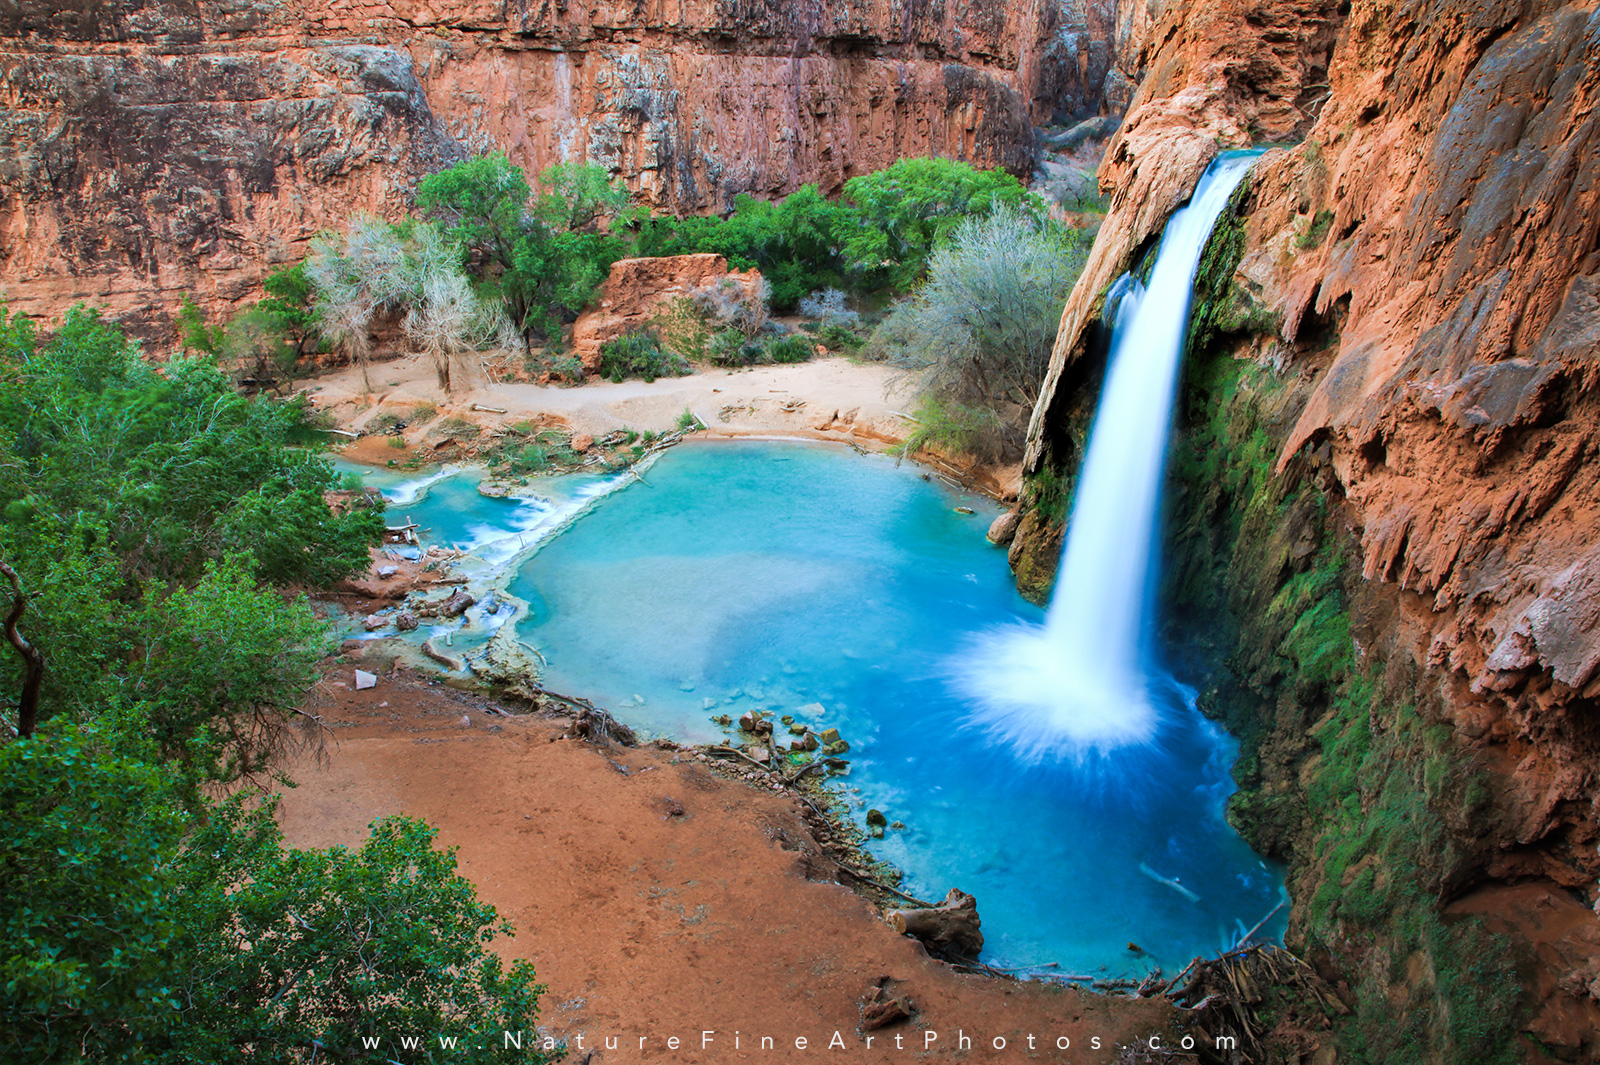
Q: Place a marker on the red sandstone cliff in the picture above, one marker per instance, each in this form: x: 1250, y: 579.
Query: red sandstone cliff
x: 1432, y: 250
x: 149, y: 148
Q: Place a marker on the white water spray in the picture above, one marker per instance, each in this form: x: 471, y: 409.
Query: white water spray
x: 1084, y: 681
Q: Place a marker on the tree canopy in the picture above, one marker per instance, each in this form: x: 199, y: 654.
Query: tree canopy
x: 155, y: 520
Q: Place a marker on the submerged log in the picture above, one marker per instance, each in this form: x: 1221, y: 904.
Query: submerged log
x: 950, y: 929
x: 454, y: 665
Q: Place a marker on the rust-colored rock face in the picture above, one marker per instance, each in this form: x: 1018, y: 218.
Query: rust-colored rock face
x: 150, y: 148
x: 1443, y: 218
x: 1432, y: 252
x: 636, y: 288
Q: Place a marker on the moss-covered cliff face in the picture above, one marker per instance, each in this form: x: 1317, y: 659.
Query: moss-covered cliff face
x: 1382, y: 550
x: 1392, y: 824
x: 1378, y: 813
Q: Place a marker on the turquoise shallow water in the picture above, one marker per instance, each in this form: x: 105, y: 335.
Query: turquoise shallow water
x: 784, y: 575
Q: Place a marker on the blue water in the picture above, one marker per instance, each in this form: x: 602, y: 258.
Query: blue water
x: 787, y: 575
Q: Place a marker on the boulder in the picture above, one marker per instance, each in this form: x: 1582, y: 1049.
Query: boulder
x: 457, y: 604
x: 375, y: 622
x: 365, y: 680
x: 405, y: 621
x: 1004, y: 528
x: 634, y: 290
x: 582, y: 442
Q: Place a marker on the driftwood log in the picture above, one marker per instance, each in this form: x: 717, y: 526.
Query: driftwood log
x: 950, y: 930
x: 597, y: 726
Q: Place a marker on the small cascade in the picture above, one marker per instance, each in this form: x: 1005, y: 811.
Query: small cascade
x: 1086, y: 680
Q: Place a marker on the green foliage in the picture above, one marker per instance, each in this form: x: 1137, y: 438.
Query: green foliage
x: 729, y: 347
x: 264, y: 342
x: 195, y: 334
x: 951, y: 427
x: 90, y: 839
x: 907, y: 211
x: 138, y: 932
x: 791, y: 348
x: 1317, y: 231
x: 290, y: 298
x: 797, y: 243
x: 259, y: 347
x: 837, y: 337
x: 219, y: 669
x: 482, y: 201
x: 689, y: 422
x: 162, y: 469
x: 144, y: 921
x: 517, y: 460
x: 286, y: 947
x: 684, y: 328
x: 639, y: 355
x: 544, y: 259
x: 576, y: 196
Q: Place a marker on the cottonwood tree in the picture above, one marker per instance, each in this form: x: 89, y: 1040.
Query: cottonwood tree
x: 375, y: 268
x: 356, y: 274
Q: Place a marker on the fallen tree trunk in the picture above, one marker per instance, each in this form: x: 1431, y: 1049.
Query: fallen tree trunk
x: 599, y: 727
x: 950, y: 929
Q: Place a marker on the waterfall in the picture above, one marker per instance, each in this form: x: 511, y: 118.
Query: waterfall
x: 1086, y: 680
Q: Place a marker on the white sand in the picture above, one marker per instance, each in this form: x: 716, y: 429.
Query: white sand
x: 830, y: 398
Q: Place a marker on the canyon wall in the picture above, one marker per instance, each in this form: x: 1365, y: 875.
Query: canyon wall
x: 1395, y: 367
x: 154, y: 147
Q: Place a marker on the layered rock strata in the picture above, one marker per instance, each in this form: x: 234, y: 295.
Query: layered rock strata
x: 153, y: 148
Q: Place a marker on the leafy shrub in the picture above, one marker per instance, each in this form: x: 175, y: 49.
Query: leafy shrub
x: 731, y: 348
x: 952, y: 427
x: 982, y: 329
x: 639, y: 355
x: 521, y: 459
x: 792, y: 348
x: 688, y: 421
x: 796, y: 243
x: 194, y: 332
x: 837, y: 337
x: 906, y: 212
x: 682, y: 325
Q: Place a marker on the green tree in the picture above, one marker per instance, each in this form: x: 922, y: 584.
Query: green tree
x: 137, y: 931
x: 144, y: 921
x: 194, y: 332
x: 907, y: 211
x: 544, y: 259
